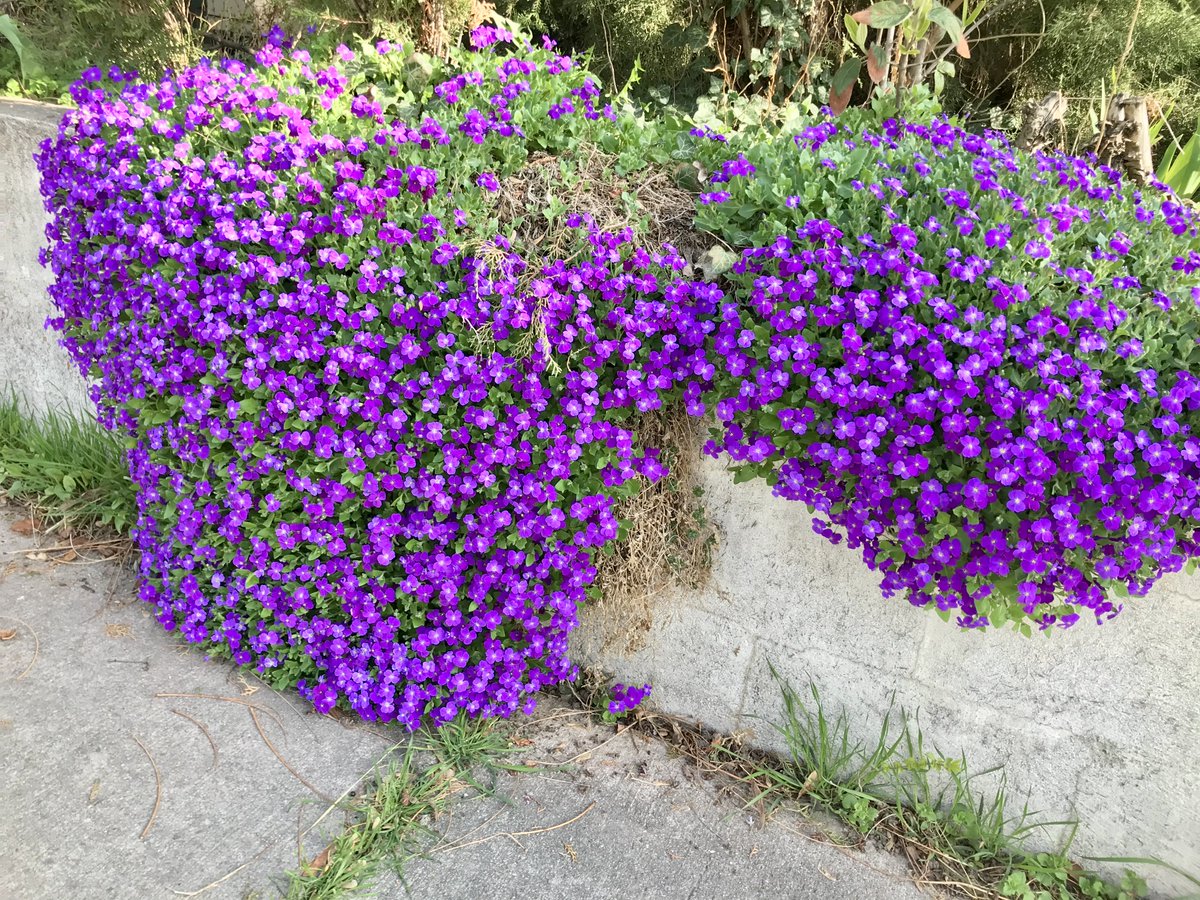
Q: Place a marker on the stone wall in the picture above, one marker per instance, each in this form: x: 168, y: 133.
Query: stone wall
x: 1098, y: 723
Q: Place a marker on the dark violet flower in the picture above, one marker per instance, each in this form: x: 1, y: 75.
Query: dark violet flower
x: 626, y: 698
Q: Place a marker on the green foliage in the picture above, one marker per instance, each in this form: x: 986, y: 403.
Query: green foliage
x: 1190, y: 877
x: 1085, y: 44
x: 904, y: 44
x: 933, y: 803
x: 12, y: 34
x: 1179, y: 167
x: 67, y: 467
x: 732, y: 63
x: 391, y: 819
x: 387, y: 826
x: 755, y: 61
x: 146, y: 35
x: 49, y: 42
x: 622, y: 35
x: 465, y: 745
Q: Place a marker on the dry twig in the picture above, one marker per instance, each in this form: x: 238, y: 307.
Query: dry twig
x: 157, y: 789
x: 237, y: 700
x: 279, y: 756
x: 200, y: 725
x: 513, y: 835
x: 214, y: 884
x: 37, y: 645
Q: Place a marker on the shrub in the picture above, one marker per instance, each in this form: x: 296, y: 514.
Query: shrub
x: 377, y: 398
x: 979, y: 368
x: 379, y: 335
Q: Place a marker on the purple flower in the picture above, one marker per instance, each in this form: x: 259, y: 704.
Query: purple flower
x: 626, y: 698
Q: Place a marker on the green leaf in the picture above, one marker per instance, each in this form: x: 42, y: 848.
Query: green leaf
x: 8, y: 28
x: 877, y: 63
x: 885, y: 14
x: 716, y: 261
x: 745, y: 473
x: 949, y: 23
x: 857, y: 32
x: 846, y: 75
x: 843, y: 84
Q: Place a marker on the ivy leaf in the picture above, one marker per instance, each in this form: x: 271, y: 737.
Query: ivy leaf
x: 885, y: 14
x: 843, y: 85
x: 716, y: 261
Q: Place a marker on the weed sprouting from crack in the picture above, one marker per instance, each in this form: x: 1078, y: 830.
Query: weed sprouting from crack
x: 387, y: 826
x: 956, y: 835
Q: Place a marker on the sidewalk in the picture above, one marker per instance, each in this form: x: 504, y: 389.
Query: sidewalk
x: 134, y: 768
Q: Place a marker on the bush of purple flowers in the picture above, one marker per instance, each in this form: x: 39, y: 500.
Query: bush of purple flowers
x: 376, y: 446
x: 980, y: 368
x: 378, y: 442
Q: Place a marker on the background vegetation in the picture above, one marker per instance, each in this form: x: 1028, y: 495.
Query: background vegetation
x: 729, y: 61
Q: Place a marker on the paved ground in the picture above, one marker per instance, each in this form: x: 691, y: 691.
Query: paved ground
x: 134, y: 768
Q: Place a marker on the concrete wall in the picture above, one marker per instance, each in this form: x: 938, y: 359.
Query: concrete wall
x: 31, y: 362
x: 1096, y: 723
x: 1099, y: 723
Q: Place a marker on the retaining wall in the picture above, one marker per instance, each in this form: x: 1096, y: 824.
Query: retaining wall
x: 30, y: 359
x: 1099, y: 723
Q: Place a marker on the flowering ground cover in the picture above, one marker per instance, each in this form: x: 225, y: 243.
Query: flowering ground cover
x: 380, y: 414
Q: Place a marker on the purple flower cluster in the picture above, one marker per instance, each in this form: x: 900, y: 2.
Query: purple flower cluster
x: 378, y: 443
x: 357, y: 469
x: 626, y: 698
x: 1005, y: 436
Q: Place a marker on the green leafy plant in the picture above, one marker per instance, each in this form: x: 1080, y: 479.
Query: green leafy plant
x: 12, y: 34
x: 761, y: 57
x: 66, y: 468
x: 956, y: 830
x: 1191, y: 877
x: 387, y: 826
x: 904, y: 43
x: 465, y: 745
x: 1179, y: 167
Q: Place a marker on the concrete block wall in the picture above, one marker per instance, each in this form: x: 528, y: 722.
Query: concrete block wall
x: 31, y: 362
x: 1096, y: 723
x: 1099, y: 723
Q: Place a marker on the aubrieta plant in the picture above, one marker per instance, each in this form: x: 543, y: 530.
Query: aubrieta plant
x: 378, y: 437
x: 626, y: 698
x: 980, y: 368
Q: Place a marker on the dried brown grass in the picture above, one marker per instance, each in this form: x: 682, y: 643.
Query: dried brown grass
x: 585, y: 180
x: 669, y: 542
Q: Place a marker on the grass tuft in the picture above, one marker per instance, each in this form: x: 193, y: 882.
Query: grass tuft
x: 392, y: 821
x: 386, y: 828
x: 956, y: 833
x: 66, y: 469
